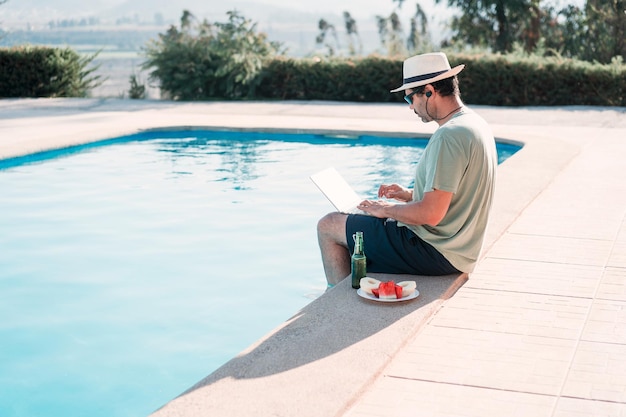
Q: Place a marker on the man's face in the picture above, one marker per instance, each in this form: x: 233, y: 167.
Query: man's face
x: 417, y: 102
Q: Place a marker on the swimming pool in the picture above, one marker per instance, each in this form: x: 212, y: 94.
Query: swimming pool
x: 131, y: 271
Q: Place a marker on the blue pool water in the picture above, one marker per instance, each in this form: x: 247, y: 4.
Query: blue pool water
x: 130, y: 271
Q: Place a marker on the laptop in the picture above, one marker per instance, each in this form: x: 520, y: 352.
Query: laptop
x: 338, y: 191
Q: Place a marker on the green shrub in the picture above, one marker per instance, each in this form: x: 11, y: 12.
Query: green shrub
x: 511, y: 80
x: 489, y: 79
x: 137, y: 89
x: 200, y: 61
x: 30, y: 71
x: 354, y: 79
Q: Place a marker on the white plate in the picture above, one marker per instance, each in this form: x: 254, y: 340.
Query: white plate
x: 369, y: 296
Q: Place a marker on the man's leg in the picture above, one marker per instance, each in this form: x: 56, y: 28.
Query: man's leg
x: 331, y: 235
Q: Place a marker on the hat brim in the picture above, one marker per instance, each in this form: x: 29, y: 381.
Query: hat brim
x: 450, y: 73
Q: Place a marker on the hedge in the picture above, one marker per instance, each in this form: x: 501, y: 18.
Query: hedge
x: 361, y: 80
x: 489, y: 79
x: 29, y: 71
x: 499, y: 80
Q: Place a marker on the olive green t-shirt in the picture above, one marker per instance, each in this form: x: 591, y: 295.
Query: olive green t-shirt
x: 460, y: 158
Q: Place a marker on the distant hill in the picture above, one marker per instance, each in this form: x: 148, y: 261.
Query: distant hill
x: 295, y: 24
x: 38, y: 12
x: 27, y: 21
x: 173, y: 9
x: 58, y: 8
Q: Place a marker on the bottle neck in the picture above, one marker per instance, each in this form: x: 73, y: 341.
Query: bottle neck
x: 358, y: 245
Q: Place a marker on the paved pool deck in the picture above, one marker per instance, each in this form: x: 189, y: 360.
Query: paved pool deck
x: 539, y: 329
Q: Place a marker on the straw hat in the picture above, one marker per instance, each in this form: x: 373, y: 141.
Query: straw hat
x: 426, y: 69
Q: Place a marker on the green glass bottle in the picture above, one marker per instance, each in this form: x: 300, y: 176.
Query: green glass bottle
x: 358, y: 267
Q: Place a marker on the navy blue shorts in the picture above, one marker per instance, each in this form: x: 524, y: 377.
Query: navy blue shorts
x: 395, y: 250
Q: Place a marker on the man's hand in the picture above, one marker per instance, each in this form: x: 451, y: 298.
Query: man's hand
x: 375, y: 208
x: 395, y: 191
x: 430, y: 210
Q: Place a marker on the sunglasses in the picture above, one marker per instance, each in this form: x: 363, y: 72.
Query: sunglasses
x: 409, y: 97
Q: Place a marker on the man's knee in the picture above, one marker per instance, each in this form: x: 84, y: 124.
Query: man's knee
x: 332, y: 224
x: 324, y: 223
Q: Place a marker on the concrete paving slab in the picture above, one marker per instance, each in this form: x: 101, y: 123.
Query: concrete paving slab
x: 574, y: 407
x: 536, y: 277
x: 502, y: 361
x: 563, y: 250
x: 517, y: 313
x: 598, y: 372
x: 606, y: 322
x: 402, y: 398
x: 613, y: 284
x: 618, y: 254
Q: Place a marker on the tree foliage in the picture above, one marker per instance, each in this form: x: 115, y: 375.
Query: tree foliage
x: 606, y: 22
x: 391, y: 32
x: 355, y: 46
x: 325, y: 28
x: 491, y: 23
x: 419, y: 37
x: 596, y: 32
x: 202, y: 60
x: 593, y: 33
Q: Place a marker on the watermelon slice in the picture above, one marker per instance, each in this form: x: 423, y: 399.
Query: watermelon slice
x: 387, y: 290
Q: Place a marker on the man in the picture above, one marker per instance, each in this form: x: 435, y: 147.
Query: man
x: 438, y: 227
